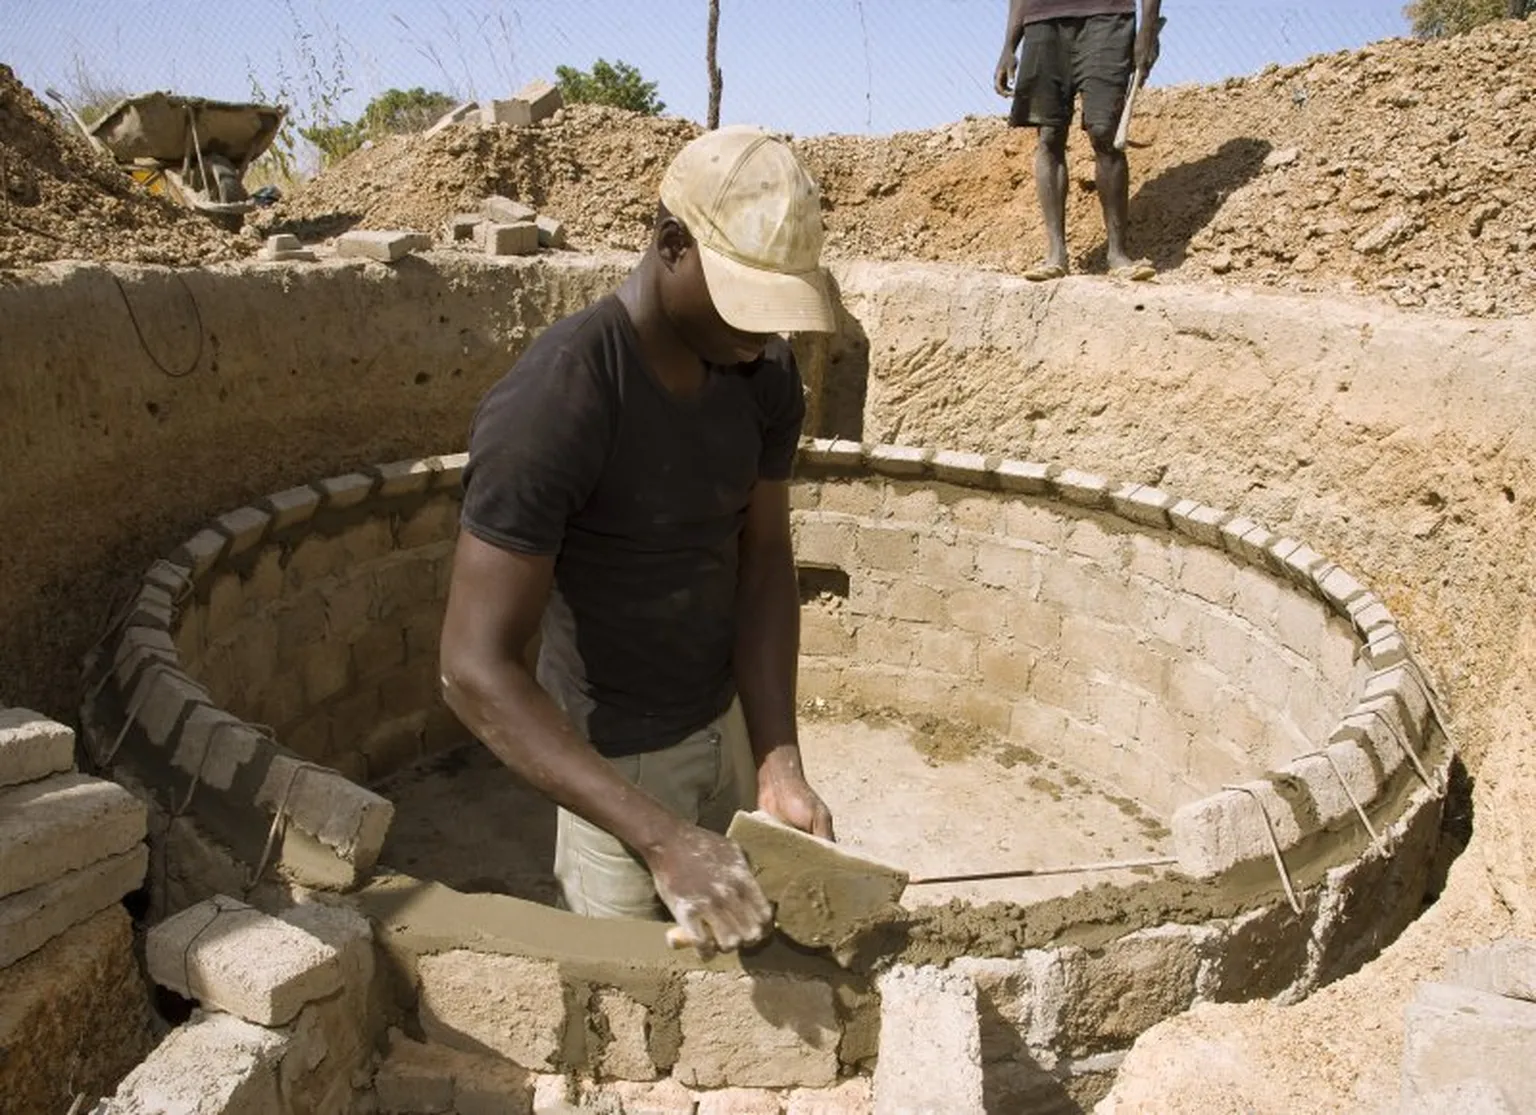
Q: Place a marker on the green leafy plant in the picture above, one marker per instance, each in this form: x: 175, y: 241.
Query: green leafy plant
x: 1437, y: 19
x: 392, y: 112
x: 617, y: 84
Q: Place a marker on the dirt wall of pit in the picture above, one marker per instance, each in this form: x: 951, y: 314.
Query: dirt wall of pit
x: 139, y: 403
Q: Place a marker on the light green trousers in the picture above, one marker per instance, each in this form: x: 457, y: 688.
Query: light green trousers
x: 704, y: 779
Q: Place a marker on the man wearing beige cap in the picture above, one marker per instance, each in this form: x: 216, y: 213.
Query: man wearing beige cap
x: 626, y: 498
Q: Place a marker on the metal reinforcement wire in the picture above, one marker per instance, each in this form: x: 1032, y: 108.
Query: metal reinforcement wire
x: 1032, y: 872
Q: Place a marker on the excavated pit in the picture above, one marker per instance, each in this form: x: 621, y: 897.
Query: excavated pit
x: 1004, y: 664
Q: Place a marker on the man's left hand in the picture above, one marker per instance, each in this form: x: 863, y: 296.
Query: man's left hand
x: 783, y: 792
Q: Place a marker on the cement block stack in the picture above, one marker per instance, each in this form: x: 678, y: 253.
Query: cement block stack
x: 505, y: 226
x: 72, y: 1004
x: 70, y: 845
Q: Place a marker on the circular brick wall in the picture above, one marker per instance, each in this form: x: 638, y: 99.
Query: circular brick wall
x: 1237, y: 683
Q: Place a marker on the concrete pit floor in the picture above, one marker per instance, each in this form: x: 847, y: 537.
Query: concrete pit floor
x: 934, y: 799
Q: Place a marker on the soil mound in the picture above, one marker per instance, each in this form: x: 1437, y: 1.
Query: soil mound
x: 596, y: 168
x: 1404, y: 170
x: 60, y: 200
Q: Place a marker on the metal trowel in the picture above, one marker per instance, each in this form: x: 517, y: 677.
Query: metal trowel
x: 822, y: 893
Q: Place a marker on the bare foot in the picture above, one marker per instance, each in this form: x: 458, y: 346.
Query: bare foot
x: 1045, y: 272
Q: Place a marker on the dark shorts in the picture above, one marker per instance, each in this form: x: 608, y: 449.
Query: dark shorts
x: 1062, y: 58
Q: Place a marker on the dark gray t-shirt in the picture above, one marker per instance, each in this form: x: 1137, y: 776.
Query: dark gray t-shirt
x: 580, y: 452
x: 1036, y: 11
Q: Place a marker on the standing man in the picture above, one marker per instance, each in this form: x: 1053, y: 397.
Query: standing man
x: 1071, y: 47
x: 627, y: 496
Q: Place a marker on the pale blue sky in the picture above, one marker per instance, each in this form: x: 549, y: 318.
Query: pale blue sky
x: 802, y: 66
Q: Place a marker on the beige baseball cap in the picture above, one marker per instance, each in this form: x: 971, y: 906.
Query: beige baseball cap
x: 756, y: 216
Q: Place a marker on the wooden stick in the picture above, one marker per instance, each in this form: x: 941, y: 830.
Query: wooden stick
x: 1123, y: 132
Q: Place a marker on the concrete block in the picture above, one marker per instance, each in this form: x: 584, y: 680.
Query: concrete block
x: 340, y: 492
x: 32, y: 747
x: 886, y: 549
x: 346, y: 818
x: 739, y: 1101
x: 283, y: 242
x: 626, y: 1055
x: 515, y: 113
x: 303, y: 255
x: 214, y: 1064
x: 201, y: 552
x: 1084, y: 488
x: 462, y: 228
x: 506, y: 211
x: 384, y: 246
x: 899, y: 460
x: 954, y: 466
x: 1455, y: 1035
x: 756, y: 1032
x: 1218, y: 832
x: 832, y: 452
x: 32, y: 918
x: 551, y: 231
x: 664, y: 1097
x: 852, y: 1097
x: 930, y: 1044
x: 1006, y: 567
x: 511, y: 1005
x: 291, y: 507
x: 1208, y: 574
x: 1196, y: 520
x: 511, y: 240
x: 1116, y: 993
x: 1263, y: 955
x: 468, y: 112
x: 542, y: 98
x: 1141, y: 504
x: 1505, y: 967
x: 234, y: 958
x: 213, y: 746
x: 1028, y: 477
x: 62, y: 824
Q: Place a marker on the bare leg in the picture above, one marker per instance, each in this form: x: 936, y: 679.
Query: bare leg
x: 1051, y: 187
x: 1112, y: 176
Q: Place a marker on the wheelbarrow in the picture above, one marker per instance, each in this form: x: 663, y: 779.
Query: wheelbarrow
x: 190, y: 149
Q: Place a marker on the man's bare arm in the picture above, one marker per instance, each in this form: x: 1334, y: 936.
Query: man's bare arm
x: 767, y: 656
x: 1007, y: 63
x: 1149, y: 36
x: 495, y: 601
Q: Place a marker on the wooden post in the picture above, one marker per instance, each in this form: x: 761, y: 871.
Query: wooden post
x: 716, y: 82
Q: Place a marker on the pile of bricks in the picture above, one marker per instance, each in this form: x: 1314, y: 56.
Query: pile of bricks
x: 73, y: 1006
x: 1469, y: 1038
x: 505, y: 227
x: 534, y: 102
x: 70, y: 845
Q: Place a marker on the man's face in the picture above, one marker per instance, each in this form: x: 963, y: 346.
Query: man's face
x: 691, y: 308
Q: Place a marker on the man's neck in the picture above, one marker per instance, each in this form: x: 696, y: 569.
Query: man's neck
x: 673, y: 362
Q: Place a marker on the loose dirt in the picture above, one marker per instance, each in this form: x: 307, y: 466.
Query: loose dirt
x: 60, y: 200
x: 1403, y: 170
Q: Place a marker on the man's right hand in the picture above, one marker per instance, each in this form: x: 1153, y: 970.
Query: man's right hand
x: 706, y: 883
x: 1007, y: 69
